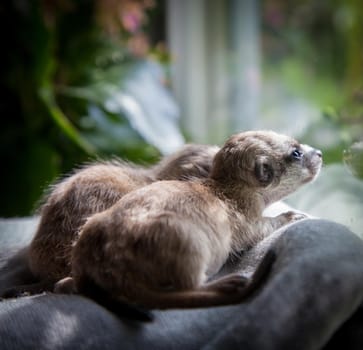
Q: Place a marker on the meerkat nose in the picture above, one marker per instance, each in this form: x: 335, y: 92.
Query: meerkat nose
x: 318, y: 153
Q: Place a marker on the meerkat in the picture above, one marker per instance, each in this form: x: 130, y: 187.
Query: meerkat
x: 158, y: 246
x: 90, y: 190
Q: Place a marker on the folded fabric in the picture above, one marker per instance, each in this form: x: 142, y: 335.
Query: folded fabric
x: 310, y: 300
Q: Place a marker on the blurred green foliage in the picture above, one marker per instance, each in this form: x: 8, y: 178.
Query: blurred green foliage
x: 62, y: 59
x: 315, y: 47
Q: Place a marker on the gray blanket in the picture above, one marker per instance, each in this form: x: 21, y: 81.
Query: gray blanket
x: 310, y: 300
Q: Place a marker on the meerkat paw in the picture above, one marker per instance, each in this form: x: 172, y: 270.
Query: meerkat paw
x: 292, y: 216
x: 230, y: 284
x: 289, y: 217
x: 65, y: 286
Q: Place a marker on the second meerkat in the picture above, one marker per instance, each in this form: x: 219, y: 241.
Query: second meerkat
x: 157, y: 246
x: 95, y: 188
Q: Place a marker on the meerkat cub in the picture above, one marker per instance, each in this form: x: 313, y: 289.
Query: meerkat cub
x: 93, y: 189
x: 158, y: 245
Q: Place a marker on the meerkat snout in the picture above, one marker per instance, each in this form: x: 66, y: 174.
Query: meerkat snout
x: 275, y: 165
x: 309, y: 160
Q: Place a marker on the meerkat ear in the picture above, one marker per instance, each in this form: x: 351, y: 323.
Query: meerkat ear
x: 264, y: 170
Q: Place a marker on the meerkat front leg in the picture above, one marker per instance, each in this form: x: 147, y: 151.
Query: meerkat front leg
x: 274, y: 223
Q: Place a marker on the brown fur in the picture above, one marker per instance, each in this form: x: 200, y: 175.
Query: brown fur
x: 158, y: 245
x: 93, y: 189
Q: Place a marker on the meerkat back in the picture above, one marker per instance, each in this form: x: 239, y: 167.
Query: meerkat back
x: 93, y: 189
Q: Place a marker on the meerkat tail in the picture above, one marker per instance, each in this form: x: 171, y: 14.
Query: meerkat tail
x: 121, y: 309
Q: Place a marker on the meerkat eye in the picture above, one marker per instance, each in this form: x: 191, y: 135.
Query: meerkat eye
x: 296, y: 154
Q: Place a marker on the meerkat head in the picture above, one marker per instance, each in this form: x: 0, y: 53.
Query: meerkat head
x: 191, y: 161
x: 272, y: 163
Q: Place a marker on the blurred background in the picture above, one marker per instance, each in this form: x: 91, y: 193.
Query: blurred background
x: 88, y: 79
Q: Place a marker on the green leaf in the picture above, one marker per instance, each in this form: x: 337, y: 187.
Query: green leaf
x: 64, y: 124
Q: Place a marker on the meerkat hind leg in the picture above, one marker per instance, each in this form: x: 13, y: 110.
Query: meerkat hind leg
x: 229, y: 289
